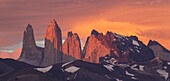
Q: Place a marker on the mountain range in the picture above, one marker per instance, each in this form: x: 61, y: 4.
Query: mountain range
x: 105, y: 57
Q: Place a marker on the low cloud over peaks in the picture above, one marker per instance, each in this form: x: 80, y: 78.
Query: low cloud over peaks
x: 155, y: 33
x: 161, y: 35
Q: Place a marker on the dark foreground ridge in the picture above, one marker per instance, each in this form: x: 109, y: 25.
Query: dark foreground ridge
x: 155, y: 70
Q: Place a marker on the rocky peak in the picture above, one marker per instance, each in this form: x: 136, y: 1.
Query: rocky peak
x: 94, y: 47
x: 52, y: 31
x: 70, y: 34
x: 123, y: 47
x: 159, y: 50
x: 30, y: 52
x: 110, y: 36
x: 76, y: 37
x: 153, y: 42
x: 29, y: 28
x: 53, y: 43
x: 94, y: 32
x: 134, y: 37
x: 156, y: 43
x: 71, y: 47
x: 108, y: 33
x: 28, y: 39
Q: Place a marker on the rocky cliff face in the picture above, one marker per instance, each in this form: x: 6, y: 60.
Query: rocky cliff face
x: 98, y: 48
x: 53, y: 43
x: 123, y: 48
x: 31, y: 54
x: 159, y: 50
x: 71, y: 47
x: 94, y: 48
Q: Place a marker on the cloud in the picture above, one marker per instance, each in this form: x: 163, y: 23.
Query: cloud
x: 149, y: 2
x: 15, y: 15
x: 155, y: 33
x: 161, y: 35
x: 14, y: 55
x: 125, y: 28
x: 154, y: 16
x: 78, y: 16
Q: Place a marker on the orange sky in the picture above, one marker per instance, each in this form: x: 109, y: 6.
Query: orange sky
x: 148, y: 19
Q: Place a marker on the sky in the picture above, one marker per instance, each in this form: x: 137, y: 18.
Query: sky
x: 147, y: 19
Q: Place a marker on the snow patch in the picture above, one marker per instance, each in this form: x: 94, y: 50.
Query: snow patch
x: 109, y: 67
x: 129, y: 74
x: 133, y: 67
x: 134, y: 78
x: 168, y: 63
x: 138, y: 51
x: 136, y: 47
x: 107, y: 76
x: 112, y: 61
x: 67, y: 63
x: 118, y: 36
x: 118, y: 79
x: 123, y: 43
x: 44, y: 70
x: 163, y: 73
x: 75, y: 76
x: 72, y: 69
x: 68, y: 78
x: 122, y: 65
x: 127, y: 38
x: 131, y: 49
x: 62, y: 69
x: 141, y: 67
x: 135, y: 43
x: 124, y: 52
x: 165, y: 67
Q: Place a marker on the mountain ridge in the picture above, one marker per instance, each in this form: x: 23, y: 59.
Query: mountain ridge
x: 105, y: 57
x: 124, y: 49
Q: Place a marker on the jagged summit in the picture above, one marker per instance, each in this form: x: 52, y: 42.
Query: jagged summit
x: 38, y: 56
x: 31, y: 53
x: 54, y: 23
x: 53, y: 43
x: 159, y: 50
x: 69, y: 34
x: 53, y: 30
x: 29, y: 28
x: 71, y: 47
x: 153, y: 42
x: 94, y: 32
x: 29, y: 36
x: 108, y: 32
x: 126, y: 49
